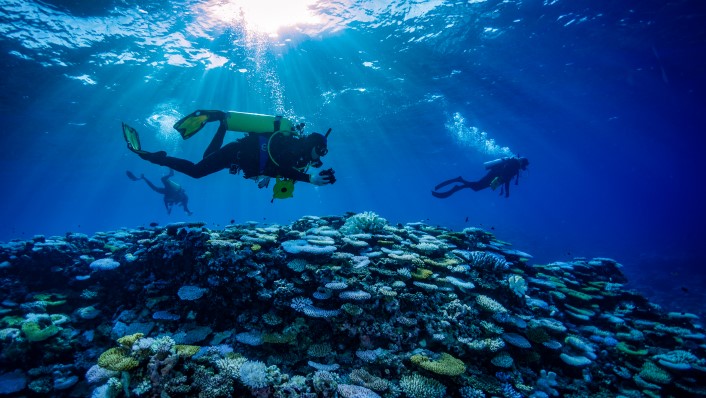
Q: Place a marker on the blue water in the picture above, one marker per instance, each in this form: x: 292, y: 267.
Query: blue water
x: 605, y: 98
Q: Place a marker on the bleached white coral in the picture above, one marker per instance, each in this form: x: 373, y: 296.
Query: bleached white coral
x: 518, y: 285
x: 366, y: 222
x: 490, y: 305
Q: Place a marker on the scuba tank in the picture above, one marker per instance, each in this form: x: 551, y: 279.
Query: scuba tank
x: 490, y: 164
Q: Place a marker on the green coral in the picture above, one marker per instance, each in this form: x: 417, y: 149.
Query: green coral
x: 129, y: 340
x: 186, y: 351
x: 117, y: 359
x: 34, y: 332
x: 624, y: 348
x: 538, y: 335
x: 445, y: 365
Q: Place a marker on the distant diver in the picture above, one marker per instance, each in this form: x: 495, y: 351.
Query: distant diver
x: 173, y: 193
x: 500, y: 173
x: 272, y: 147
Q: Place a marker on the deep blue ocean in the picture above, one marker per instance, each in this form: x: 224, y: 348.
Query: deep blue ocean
x: 605, y: 98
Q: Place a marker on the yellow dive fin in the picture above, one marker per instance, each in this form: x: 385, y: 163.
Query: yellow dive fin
x: 191, y: 124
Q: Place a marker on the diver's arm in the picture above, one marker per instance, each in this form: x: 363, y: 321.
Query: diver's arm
x: 294, y: 174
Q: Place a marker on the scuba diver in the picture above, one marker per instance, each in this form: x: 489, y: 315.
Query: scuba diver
x: 500, y: 173
x: 272, y: 147
x: 173, y: 192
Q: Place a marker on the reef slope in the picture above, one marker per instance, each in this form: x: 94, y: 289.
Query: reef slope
x: 339, y: 306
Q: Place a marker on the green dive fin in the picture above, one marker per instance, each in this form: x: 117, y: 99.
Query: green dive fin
x: 191, y: 124
x: 132, y: 139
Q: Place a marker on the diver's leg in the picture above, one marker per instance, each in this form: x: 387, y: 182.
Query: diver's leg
x: 185, y: 205
x: 221, y: 159
x: 446, y: 194
x: 451, y: 181
x: 217, y: 140
x: 483, y: 183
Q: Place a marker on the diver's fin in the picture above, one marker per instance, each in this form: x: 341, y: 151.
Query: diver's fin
x: 131, y: 176
x: 132, y: 139
x: 191, y: 124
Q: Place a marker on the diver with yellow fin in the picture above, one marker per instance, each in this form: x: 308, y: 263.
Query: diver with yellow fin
x: 273, y: 147
x: 500, y: 173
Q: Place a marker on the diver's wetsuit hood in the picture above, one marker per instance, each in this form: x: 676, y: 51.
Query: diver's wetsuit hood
x: 524, y: 162
x: 318, y: 141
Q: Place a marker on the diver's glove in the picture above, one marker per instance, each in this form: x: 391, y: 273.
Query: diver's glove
x: 324, y: 177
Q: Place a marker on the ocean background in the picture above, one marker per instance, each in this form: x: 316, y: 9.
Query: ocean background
x: 605, y: 98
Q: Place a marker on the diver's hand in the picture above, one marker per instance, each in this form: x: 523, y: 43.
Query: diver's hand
x: 323, y: 178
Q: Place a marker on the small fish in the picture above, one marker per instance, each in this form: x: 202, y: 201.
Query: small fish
x: 684, y: 289
x: 153, y: 224
x: 232, y: 221
x: 466, y: 218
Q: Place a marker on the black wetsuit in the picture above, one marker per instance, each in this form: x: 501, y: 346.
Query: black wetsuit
x: 254, y: 155
x: 504, y: 171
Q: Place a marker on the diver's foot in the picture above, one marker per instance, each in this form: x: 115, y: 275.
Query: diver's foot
x: 212, y: 116
x: 152, y: 156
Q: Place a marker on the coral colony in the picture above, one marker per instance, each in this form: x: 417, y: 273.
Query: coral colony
x: 346, y: 307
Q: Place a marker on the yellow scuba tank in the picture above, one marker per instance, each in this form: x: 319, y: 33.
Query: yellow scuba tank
x: 258, y: 123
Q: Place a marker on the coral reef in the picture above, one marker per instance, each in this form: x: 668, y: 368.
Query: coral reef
x: 329, y: 307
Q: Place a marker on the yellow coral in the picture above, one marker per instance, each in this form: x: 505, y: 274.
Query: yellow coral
x: 255, y: 247
x: 184, y: 350
x: 445, y: 263
x: 446, y: 365
x: 129, y: 340
x: 422, y: 273
x: 117, y: 359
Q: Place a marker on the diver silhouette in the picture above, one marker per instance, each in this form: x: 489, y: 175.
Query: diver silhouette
x: 173, y: 192
x: 500, y: 173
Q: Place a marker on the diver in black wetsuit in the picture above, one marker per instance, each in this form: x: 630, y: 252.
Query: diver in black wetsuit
x: 500, y: 173
x: 173, y: 192
x: 256, y: 155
